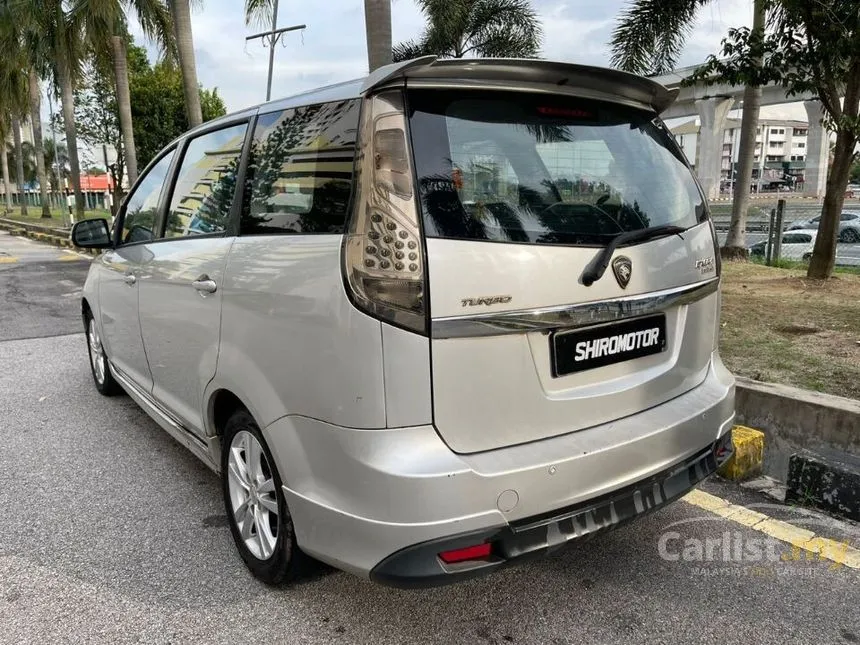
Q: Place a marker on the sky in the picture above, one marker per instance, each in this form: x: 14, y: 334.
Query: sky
x: 332, y: 47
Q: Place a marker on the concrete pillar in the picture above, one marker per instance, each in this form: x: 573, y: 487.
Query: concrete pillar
x: 712, y: 114
x: 817, y: 151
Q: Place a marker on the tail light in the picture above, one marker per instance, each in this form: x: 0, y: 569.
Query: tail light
x: 383, y: 255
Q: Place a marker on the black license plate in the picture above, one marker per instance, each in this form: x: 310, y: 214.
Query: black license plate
x: 586, y: 349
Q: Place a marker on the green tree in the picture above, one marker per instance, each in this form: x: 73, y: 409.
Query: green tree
x: 97, y: 116
x: 14, y: 106
x: 648, y: 39
x: 4, y: 161
x: 105, y: 28
x: 808, y: 47
x: 57, y: 163
x: 158, y: 103
x: 457, y: 28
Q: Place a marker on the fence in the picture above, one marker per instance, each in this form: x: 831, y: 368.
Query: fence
x: 785, y: 230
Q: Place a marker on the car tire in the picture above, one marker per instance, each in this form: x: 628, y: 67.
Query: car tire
x: 850, y: 236
x: 807, y: 257
x: 256, y: 508
x: 99, y: 364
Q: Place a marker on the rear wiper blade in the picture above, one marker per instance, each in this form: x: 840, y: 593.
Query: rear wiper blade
x: 597, y: 268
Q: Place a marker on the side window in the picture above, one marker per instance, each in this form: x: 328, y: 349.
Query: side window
x: 300, y: 170
x: 206, y: 183
x: 141, y: 207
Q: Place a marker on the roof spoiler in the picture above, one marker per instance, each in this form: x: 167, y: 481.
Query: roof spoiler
x: 605, y: 81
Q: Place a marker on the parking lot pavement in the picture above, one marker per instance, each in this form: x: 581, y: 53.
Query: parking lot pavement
x: 113, y: 533
x: 40, y: 289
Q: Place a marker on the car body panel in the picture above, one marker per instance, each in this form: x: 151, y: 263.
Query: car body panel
x: 291, y: 341
x: 180, y: 325
x: 118, y: 310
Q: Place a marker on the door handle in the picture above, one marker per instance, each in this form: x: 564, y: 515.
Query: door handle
x: 130, y: 279
x: 204, y: 284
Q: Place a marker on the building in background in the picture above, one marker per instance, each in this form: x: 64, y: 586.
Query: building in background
x: 780, y: 154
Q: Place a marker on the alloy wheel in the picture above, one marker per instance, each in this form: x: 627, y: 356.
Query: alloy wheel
x: 97, y: 353
x: 253, y: 497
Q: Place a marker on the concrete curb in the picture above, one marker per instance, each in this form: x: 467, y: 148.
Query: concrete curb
x: 47, y: 235
x: 812, y: 442
x: 746, y: 462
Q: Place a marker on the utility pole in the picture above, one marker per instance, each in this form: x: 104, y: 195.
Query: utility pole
x: 56, y: 152
x: 270, y: 38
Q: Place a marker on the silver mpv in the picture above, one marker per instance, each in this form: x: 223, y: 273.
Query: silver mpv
x: 425, y: 323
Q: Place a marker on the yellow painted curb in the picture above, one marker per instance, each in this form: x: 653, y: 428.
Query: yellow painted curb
x: 749, y: 453
x: 814, y: 547
x: 7, y: 260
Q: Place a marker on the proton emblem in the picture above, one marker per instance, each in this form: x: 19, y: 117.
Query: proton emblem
x: 622, y: 267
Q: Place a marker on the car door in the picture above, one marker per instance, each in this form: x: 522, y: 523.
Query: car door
x: 180, y: 294
x: 119, y: 282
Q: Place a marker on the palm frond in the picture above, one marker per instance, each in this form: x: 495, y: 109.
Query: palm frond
x: 650, y: 34
x: 259, y: 12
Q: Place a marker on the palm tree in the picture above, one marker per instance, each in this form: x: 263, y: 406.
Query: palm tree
x: 105, y: 28
x: 458, y: 28
x: 377, y: 25
x: 13, y: 103
x: 50, y: 35
x: 4, y: 162
x: 38, y: 145
x: 648, y: 38
x: 180, y: 11
x: 56, y: 154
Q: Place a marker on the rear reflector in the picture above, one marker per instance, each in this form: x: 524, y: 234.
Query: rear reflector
x: 477, y: 552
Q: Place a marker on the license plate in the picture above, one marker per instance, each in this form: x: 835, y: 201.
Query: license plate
x: 586, y: 349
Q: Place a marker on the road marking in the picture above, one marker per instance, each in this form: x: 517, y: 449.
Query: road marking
x: 7, y: 260
x: 70, y: 256
x: 800, y: 538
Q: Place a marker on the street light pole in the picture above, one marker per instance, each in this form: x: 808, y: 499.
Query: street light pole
x: 271, y: 38
x: 56, y: 151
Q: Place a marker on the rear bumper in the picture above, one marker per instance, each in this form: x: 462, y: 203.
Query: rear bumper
x: 378, y: 502
x: 420, y: 565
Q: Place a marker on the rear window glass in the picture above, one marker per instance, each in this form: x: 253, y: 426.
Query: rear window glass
x: 796, y: 239
x: 518, y: 167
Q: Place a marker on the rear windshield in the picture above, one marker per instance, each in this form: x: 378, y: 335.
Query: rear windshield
x: 519, y: 167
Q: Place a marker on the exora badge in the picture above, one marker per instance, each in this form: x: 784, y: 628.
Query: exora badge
x: 489, y: 300
x: 622, y: 267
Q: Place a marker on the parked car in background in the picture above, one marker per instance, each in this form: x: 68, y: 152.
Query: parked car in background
x: 796, y: 245
x: 425, y: 323
x: 849, y: 226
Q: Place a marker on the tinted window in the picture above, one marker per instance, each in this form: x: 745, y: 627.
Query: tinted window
x: 206, y: 183
x: 848, y: 217
x: 526, y: 168
x: 796, y: 239
x: 300, y: 170
x: 142, y: 204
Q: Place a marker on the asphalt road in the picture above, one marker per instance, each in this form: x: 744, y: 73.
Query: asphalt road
x: 113, y: 533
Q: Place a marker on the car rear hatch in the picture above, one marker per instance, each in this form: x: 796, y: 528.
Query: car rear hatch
x: 519, y: 195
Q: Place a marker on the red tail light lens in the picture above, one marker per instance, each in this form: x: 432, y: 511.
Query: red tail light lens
x: 477, y: 552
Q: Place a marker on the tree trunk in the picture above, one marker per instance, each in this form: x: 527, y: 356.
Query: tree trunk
x: 38, y: 142
x: 4, y: 165
x: 824, y: 253
x: 735, y: 246
x: 67, y: 98
x: 123, y: 100
x: 19, y: 164
x: 377, y: 24
x: 185, y: 47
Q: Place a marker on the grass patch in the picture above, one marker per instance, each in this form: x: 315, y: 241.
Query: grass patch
x: 797, y: 265
x: 779, y: 326
x: 34, y: 215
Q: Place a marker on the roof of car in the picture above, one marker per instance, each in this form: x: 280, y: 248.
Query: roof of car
x: 583, y: 80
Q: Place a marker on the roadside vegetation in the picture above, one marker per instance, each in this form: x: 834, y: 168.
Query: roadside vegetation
x: 779, y: 326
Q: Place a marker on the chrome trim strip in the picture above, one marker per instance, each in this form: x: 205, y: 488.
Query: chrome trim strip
x: 164, y: 418
x: 588, y: 313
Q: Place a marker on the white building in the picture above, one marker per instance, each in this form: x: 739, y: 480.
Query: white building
x: 780, y: 154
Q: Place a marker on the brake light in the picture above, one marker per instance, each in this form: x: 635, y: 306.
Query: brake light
x: 383, y: 255
x: 477, y: 552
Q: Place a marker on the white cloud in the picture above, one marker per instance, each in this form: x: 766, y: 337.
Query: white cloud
x: 332, y: 48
